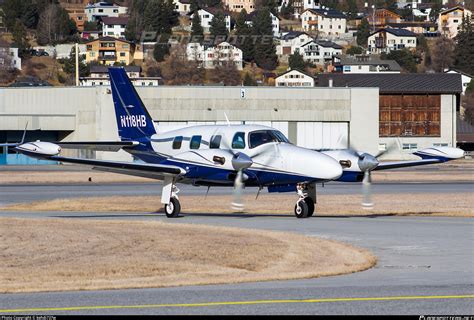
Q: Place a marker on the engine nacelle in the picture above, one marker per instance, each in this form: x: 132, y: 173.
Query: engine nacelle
x: 39, y: 149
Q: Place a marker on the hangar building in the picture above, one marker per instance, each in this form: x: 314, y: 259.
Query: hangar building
x: 317, y: 118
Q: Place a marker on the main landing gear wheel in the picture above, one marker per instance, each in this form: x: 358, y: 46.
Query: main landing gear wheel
x: 310, y: 204
x: 301, y: 209
x: 173, y: 208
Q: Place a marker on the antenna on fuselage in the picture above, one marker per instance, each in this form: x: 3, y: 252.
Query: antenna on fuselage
x: 227, y: 119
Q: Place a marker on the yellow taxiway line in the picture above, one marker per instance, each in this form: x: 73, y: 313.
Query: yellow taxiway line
x: 234, y: 303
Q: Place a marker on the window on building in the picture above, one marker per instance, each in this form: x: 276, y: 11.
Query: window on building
x: 122, y: 54
x: 238, y: 142
x: 177, y: 142
x: 195, y: 142
x: 215, y: 142
x: 410, y: 146
x: 440, y: 144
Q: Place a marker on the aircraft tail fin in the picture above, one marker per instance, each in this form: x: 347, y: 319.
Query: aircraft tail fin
x: 133, y: 119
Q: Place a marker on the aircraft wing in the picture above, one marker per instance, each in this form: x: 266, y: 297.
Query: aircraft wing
x: 403, y: 164
x: 153, y: 171
x: 98, y: 146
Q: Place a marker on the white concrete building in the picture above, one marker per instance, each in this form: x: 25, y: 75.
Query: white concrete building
x: 319, y: 51
x: 365, y: 64
x: 211, y: 56
x: 100, y: 77
x: 291, y: 41
x: 294, y: 78
x: 388, y: 39
x: 326, y: 22
x: 96, y: 11
x: 275, y: 22
x: 182, y: 6
x: 12, y: 55
x: 208, y: 14
x: 114, y: 26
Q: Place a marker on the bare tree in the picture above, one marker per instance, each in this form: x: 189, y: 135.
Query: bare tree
x: 47, y: 25
x: 178, y: 70
x: 442, y: 56
x: 7, y: 72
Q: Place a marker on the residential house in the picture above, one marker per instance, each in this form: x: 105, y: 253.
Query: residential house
x: 114, y: 26
x: 76, y: 12
x: 319, y: 51
x: 96, y: 11
x: 291, y: 41
x: 466, y: 78
x: 380, y: 17
x: 210, y: 56
x: 207, y: 14
x: 450, y: 20
x: 294, y: 78
x: 2, y: 23
x: 275, y: 22
x: 239, y: 5
x: 109, y: 50
x: 182, y: 6
x: 364, y: 63
x: 388, y: 39
x: 100, y: 77
x: 326, y: 22
x: 300, y: 6
x: 12, y: 53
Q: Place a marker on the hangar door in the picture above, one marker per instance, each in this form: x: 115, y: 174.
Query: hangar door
x: 323, y: 135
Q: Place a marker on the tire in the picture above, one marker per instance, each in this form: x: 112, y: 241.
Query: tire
x: 173, y: 208
x: 310, y: 203
x: 301, y: 209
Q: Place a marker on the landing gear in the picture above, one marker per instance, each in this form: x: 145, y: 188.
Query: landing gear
x: 173, y: 208
x: 169, y: 197
x: 304, y: 207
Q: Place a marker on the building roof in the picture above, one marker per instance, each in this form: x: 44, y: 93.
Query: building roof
x: 405, y: 24
x: 102, y: 4
x: 324, y: 43
x: 115, y: 20
x: 298, y: 70
x: 364, y: 60
x: 460, y: 72
x: 396, y: 32
x: 108, y: 39
x: 254, y: 13
x: 452, y: 9
x: 405, y: 83
x: 105, y: 69
x: 292, y: 34
x: 212, y: 11
x: 330, y: 13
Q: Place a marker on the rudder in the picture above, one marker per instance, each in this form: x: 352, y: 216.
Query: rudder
x: 133, y: 119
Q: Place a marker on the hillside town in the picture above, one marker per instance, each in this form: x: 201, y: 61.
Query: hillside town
x: 288, y: 43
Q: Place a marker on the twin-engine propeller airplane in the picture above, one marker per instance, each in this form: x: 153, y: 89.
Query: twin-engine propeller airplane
x: 222, y: 155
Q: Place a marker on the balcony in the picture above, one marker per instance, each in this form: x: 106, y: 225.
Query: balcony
x: 108, y: 57
x: 313, y: 22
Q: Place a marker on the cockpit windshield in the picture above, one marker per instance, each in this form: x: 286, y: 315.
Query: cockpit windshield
x: 259, y: 137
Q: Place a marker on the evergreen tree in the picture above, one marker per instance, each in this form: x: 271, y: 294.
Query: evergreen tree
x: 197, y: 32
x: 244, y: 32
x: 135, y: 24
x: 218, y: 26
x: 249, y: 81
x: 267, y: 4
x: 69, y: 65
x: 20, y: 39
x: 265, y: 50
x: 354, y: 50
x: 161, y: 48
x: 194, y: 6
x: 404, y: 58
x: 363, y: 32
x: 464, y: 50
x: 295, y: 61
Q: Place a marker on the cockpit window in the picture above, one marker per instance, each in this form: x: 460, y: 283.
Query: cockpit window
x: 238, y: 142
x: 257, y: 138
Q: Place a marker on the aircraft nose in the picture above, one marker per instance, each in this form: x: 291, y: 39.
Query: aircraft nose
x: 332, y: 170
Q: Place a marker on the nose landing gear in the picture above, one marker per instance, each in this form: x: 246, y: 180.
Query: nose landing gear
x: 169, y: 197
x: 304, y: 207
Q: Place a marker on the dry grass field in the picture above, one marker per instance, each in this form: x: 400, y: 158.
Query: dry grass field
x: 52, y: 255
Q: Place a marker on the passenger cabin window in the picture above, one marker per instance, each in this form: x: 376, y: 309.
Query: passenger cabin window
x: 215, y: 142
x: 238, y: 142
x: 195, y: 142
x: 257, y: 138
x: 177, y: 142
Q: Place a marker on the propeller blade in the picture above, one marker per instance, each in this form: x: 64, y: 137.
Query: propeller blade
x: 367, y: 191
x: 24, y: 134
x: 238, y: 204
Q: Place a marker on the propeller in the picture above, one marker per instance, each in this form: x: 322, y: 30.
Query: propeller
x: 241, y: 162
x: 16, y: 144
